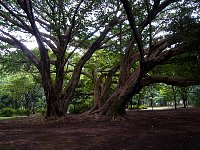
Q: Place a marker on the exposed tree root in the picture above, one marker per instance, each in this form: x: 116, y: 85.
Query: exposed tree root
x: 119, y: 117
x: 94, y: 116
x: 100, y: 115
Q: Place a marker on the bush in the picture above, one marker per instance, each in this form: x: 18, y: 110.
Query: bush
x: 22, y: 112
x: 28, y: 112
x: 142, y: 107
x: 42, y: 112
x: 79, y: 108
x: 7, y: 112
x: 196, y: 103
x: 137, y: 107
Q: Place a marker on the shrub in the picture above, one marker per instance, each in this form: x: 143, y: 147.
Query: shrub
x: 7, y: 112
x: 79, y: 108
x: 28, y: 112
x: 197, y: 103
x: 22, y: 112
x: 42, y: 111
x: 142, y: 107
x: 137, y: 107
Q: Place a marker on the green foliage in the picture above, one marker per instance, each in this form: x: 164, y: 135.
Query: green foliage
x: 196, y: 102
x: 80, y: 107
x: 20, y: 90
x: 137, y: 107
x: 5, y: 101
x: 16, y: 85
x: 103, y: 60
x: 22, y: 112
x: 13, y: 62
x: 7, y: 112
x: 195, y: 96
x: 42, y: 111
x: 40, y: 104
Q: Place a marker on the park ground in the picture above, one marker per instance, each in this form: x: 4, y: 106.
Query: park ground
x: 142, y: 130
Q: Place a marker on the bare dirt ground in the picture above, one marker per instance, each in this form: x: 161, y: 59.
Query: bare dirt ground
x: 144, y: 130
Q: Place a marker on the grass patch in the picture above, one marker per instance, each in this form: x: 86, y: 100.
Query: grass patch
x: 13, y: 117
x: 6, y: 118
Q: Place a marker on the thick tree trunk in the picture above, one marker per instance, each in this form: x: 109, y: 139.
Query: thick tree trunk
x: 118, y: 108
x: 97, y: 93
x: 114, y: 107
x: 102, y: 89
x: 56, y: 103
x: 116, y: 103
x: 55, y: 106
x: 100, y: 96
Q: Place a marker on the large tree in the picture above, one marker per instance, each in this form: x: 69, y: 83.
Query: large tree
x: 145, y: 53
x: 62, y: 27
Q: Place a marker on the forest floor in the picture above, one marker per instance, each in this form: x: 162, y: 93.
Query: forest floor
x: 143, y: 130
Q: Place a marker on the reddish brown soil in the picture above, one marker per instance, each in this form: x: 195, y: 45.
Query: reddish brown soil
x: 144, y: 130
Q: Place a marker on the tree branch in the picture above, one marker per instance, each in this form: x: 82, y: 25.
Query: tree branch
x: 156, y: 10
x: 95, y: 45
x: 137, y: 36
x: 14, y: 42
x: 150, y: 26
x: 26, y: 27
x: 15, y: 22
x: 26, y: 5
x: 69, y: 32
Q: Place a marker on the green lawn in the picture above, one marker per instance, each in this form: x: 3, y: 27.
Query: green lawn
x: 13, y: 117
x: 5, y: 118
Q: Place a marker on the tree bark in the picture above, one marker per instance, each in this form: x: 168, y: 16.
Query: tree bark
x: 115, y: 105
x: 174, y: 95
x: 97, y: 93
x: 55, y: 105
x: 184, y: 103
x: 102, y: 89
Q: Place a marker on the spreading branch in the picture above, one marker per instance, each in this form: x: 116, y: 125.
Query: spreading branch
x: 16, y: 43
x: 137, y: 36
x: 95, y: 45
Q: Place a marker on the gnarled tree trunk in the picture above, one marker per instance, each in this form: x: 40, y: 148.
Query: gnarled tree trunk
x: 55, y: 106
x: 102, y: 90
x: 115, y: 104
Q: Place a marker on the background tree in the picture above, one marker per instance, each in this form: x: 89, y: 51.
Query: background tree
x: 184, y: 92
x: 21, y: 91
x: 195, y: 95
